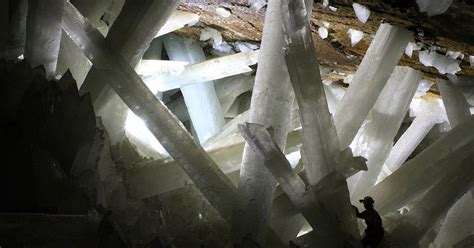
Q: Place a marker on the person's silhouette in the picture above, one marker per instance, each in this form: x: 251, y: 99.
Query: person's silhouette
x: 374, y: 231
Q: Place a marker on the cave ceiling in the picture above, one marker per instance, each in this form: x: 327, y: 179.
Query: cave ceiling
x: 451, y: 31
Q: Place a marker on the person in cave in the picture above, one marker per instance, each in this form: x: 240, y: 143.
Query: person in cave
x: 374, y: 231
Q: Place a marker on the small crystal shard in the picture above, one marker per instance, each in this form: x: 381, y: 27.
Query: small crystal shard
x: 412, y: 46
x: 442, y: 63
x: 423, y: 88
x: 355, y: 36
x: 434, y: 7
x: 177, y: 20
x: 211, y: 34
x: 323, y: 32
x: 361, y: 12
x: 223, y: 12
x: 454, y: 55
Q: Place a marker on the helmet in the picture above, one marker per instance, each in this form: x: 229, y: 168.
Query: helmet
x: 367, y: 200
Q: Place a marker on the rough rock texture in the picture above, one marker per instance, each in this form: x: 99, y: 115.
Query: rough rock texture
x: 336, y: 50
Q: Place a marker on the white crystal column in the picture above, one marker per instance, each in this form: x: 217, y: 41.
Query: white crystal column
x: 70, y: 56
x: 377, y: 136
x: 320, y: 148
x: 130, y: 36
x: 197, y: 164
x: 204, y: 71
x: 407, y: 143
x: 201, y: 100
x: 271, y: 106
x: 316, y: 203
x: 459, y: 223
x: 421, y: 172
x: 425, y: 212
x: 43, y: 33
x: 379, y: 61
x: 454, y: 101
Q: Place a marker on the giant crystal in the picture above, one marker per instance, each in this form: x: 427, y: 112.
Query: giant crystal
x: 214, y: 185
x: 320, y: 148
x: 43, y: 34
x: 421, y: 172
x: 314, y: 202
x: 202, y: 70
x: 410, y: 139
x: 457, y: 108
x: 200, y: 98
x: 379, y: 61
x: 375, y: 140
x: 425, y: 212
x: 271, y: 106
x: 128, y: 38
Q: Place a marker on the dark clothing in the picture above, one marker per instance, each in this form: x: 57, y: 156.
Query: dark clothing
x: 374, y: 231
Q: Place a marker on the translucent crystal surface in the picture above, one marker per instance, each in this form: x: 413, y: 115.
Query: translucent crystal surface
x: 381, y: 58
x: 434, y: 7
x: 421, y: 172
x: 204, y: 71
x: 409, y: 140
x: 377, y: 136
x: 361, y: 12
x: 271, y: 106
x: 200, y: 98
x: 457, y: 108
x: 437, y: 201
x: 43, y: 34
x: 355, y: 36
x: 177, y: 20
x: 161, y: 122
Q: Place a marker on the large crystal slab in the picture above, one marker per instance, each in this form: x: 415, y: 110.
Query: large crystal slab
x: 320, y: 144
x: 214, y: 185
x: 320, y: 148
x: 200, y: 98
x: 313, y: 202
x: 410, y: 139
x: 271, y: 106
x: 43, y: 33
x: 376, y: 139
x: 204, y: 71
x: 15, y: 45
x: 421, y: 172
x: 434, y: 205
x: 458, y: 223
x: 228, y: 89
x: 71, y: 58
x: 179, y: 19
x: 127, y: 36
x: 157, y: 177
x: 372, y: 74
x: 457, y: 108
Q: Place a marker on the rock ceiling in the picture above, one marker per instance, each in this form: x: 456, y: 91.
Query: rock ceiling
x: 451, y: 31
